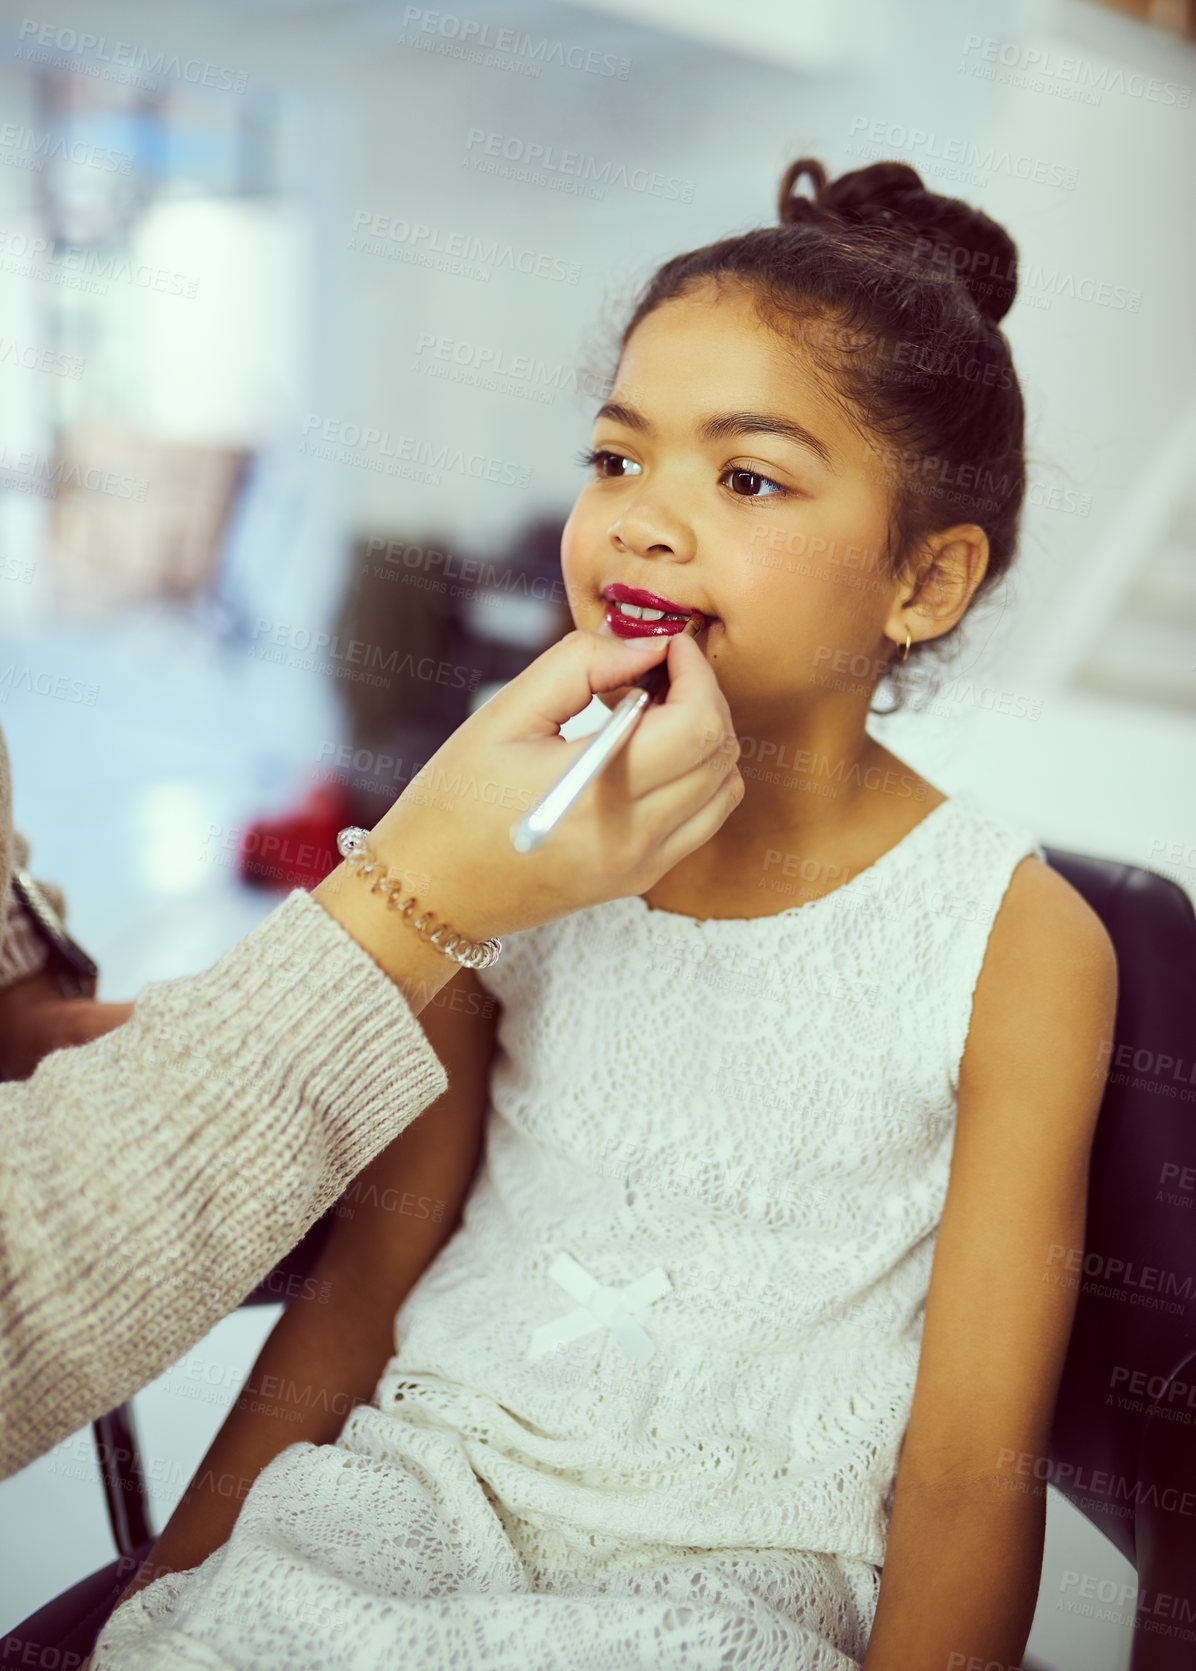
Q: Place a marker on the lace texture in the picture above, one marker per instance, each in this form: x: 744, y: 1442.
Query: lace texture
x: 645, y: 1406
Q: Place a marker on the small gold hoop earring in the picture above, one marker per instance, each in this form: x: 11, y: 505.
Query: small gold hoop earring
x: 905, y: 652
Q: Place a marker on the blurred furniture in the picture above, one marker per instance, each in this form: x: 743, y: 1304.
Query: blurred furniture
x: 423, y: 629
x: 451, y: 621
x: 136, y: 520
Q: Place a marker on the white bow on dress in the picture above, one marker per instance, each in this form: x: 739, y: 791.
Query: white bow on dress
x: 599, y: 1307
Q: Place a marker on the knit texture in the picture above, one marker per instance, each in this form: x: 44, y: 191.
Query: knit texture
x: 152, y: 1178
x: 646, y: 1404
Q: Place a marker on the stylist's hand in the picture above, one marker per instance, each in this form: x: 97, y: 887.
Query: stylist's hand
x: 663, y: 795
x: 35, y: 1018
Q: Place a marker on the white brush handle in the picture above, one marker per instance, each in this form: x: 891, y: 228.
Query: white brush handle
x: 606, y: 741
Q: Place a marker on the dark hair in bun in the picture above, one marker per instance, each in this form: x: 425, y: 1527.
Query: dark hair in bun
x: 962, y: 241
x: 895, y: 294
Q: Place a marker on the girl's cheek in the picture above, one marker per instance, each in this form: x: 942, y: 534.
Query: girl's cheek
x: 573, y: 541
x: 579, y: 589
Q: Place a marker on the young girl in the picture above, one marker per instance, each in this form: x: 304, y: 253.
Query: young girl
x: 738, y: 1349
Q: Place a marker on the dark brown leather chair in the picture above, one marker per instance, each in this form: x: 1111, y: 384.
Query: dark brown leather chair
x: 1123, y: 1443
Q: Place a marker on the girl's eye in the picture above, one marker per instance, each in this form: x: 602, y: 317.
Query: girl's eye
x: 587, y: 459
x: 600, y: 458
x: 755, y: 476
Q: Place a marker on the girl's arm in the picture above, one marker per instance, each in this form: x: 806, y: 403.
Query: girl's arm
x: 328, y: 1349
x: 964, y: 1556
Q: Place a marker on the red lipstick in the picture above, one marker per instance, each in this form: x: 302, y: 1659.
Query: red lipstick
x: 627, y: 626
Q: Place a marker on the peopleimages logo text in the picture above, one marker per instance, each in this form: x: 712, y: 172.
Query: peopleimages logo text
x: 1078, y: 72
x: 538, y: 155
x: 126, y: 55
x: 988, y: 159
x: 472, y: 33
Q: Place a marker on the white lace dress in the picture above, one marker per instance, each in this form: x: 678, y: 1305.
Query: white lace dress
x: 645, y: 1406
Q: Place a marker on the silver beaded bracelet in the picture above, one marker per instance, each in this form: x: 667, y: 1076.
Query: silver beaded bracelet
x: 353, y: 845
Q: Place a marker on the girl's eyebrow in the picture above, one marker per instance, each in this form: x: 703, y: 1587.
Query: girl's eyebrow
x: 723, y: 425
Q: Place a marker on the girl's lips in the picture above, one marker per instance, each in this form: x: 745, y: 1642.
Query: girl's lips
x: 626, y: 626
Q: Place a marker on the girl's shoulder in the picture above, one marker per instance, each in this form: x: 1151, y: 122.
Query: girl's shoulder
x: 1048, y: 962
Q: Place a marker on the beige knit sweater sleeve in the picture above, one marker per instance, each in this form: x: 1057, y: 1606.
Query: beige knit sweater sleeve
x: 149, y: 1180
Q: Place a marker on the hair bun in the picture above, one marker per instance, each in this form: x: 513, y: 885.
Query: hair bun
x: 980, y: 253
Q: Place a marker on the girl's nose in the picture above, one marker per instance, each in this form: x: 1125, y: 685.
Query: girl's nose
x: 660, y: 549
x: 652, y: 533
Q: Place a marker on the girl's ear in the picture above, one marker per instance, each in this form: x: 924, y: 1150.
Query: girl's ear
x: 940, y: 582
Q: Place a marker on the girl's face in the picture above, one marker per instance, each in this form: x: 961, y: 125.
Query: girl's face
x: 701, y: 498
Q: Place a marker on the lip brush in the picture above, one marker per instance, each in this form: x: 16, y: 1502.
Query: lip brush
x: 606, y: 741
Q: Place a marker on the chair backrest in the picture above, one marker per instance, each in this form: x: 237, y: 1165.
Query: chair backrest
x: 1165, y: 1530
x: 1135, y: 1317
